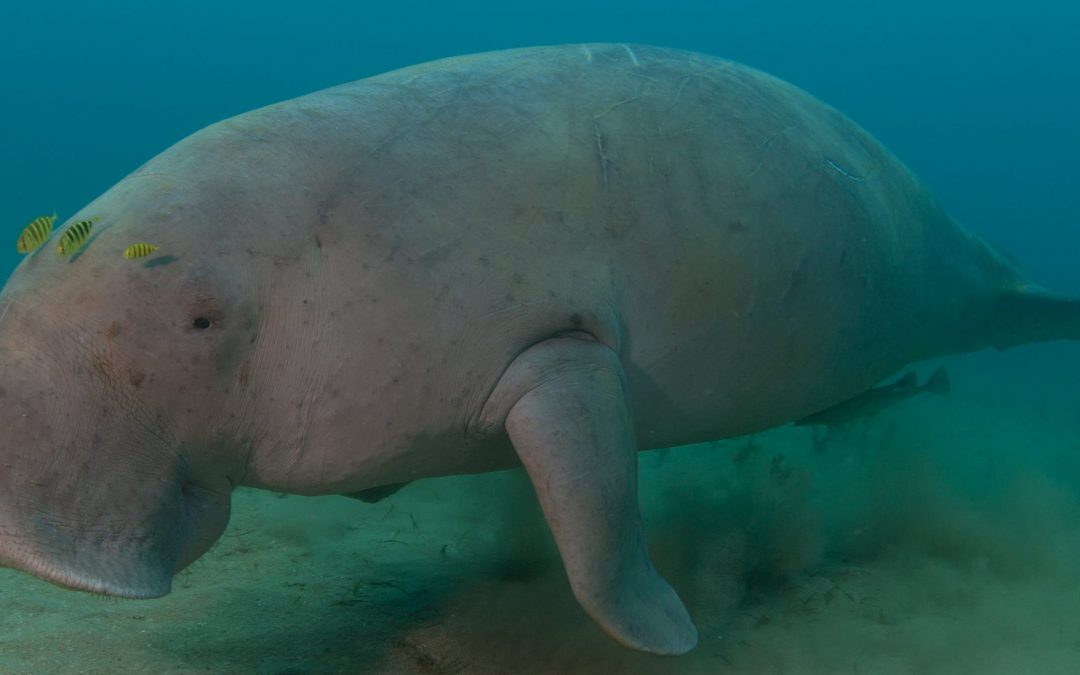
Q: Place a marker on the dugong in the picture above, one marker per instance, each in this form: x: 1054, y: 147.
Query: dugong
x: 551, y: 257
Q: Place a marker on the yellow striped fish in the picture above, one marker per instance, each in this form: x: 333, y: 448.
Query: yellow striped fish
x: 75, y: 236
x: 139, y: 251
x: 35, y: 234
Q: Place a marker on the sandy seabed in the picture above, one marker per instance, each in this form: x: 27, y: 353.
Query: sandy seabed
x: 940, y: 537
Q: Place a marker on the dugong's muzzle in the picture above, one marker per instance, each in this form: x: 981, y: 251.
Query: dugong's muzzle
x: 95, y: 493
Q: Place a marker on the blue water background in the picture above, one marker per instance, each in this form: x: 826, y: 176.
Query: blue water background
x: 981, y: 98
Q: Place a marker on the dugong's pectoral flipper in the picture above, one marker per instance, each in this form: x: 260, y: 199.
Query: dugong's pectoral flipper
x: 563, y: 403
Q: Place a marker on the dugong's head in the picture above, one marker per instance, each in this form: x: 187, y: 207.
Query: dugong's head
x: 117, y: 427
x: 135, y: 393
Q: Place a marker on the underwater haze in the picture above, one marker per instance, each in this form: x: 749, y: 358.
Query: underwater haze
x: 939, y: 536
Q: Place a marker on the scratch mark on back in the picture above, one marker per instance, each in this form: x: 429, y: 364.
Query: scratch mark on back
x: 766, y: 145
x: 839, y: 169
x: 601, y: 155
x: 613, y: 106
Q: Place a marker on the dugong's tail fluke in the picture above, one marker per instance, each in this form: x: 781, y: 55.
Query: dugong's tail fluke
x: 1033, y: 314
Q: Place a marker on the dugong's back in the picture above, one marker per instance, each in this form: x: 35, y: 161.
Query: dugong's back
x: 714, y: 224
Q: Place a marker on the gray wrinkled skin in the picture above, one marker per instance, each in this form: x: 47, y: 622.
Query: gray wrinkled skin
x: 549, y: 257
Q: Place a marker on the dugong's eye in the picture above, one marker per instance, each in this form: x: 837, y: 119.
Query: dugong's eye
x: 205, y: 312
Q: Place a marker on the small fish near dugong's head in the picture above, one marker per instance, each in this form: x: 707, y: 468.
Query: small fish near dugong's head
x: 548, y: 257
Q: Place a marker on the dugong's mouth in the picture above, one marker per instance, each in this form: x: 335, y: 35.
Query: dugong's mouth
x: 126, y: 564
x: 136, y: 586
x: 204, y: 516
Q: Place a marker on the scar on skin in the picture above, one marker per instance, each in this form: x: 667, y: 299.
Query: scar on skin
x: 601, y: 155
x: 839, y: 169
x: 588, y: 54
x: 766, y: 145
x: 682, y: 85
x: 633, y: 57
x: 613, y: 106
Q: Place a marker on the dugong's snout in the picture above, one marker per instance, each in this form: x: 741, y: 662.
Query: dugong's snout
x: 91, y: 502
x: 118, y: 564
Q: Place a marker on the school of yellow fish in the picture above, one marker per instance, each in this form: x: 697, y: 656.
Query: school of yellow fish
x: 38, y: 231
